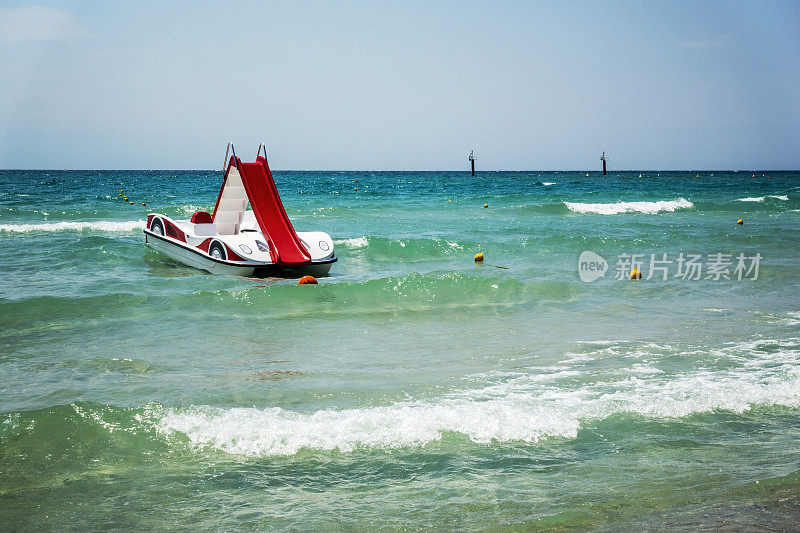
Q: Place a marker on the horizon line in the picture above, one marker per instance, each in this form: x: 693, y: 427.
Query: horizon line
x: 403, y: 170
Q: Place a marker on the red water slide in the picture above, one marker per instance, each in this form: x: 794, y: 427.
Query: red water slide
x: 270, y: 214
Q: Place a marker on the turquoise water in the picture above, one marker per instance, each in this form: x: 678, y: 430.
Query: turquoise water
x: 413, y: 388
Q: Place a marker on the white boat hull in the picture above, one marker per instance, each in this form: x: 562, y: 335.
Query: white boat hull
x: 185, y: 246
x: 192, y: 259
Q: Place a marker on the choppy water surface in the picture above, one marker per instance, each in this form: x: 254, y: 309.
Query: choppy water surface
x: 412, y: 389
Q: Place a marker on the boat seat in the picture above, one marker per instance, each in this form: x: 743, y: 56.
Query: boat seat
x: 201, y: 217
x: 205, y: 230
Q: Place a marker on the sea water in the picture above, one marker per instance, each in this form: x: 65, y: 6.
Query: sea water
x: 413, y: 388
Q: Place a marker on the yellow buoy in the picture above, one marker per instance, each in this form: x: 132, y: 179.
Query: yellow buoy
x: 635, y: 274
x: 479, y: 257
x: 307, y: 280
x: 144, y: 203
x: 485, y: 205
x: 130, y: 203
x: 740, y: 221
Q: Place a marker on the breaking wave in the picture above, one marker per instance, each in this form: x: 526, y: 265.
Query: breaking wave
x: 650, y: 208
x: 354, y: 243
x: 98, y: 225
x: 517, y: 406
x: 763, y: 198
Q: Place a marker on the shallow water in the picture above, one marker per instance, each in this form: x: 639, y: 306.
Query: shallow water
x: 413, y: 388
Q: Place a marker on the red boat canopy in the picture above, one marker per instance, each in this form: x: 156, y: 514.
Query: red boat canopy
x: 252, y: 183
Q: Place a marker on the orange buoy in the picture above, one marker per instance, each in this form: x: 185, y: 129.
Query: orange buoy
x: 485, y: 205
x: 144, y: 203
x: 635, y: 274
x: 740, y: 221
x: 307, y: 280
x: 479, y: 257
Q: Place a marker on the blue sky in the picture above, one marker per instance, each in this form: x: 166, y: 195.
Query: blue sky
x: 401, y: 85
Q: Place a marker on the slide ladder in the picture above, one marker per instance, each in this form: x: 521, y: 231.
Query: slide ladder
x: 255, y: 180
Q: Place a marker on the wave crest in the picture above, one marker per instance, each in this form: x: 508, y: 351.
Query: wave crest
x: 355, y: 242
x: 617, y: 208
x: 760, y: 199
x: 98, y: 225
x: 518, y: 406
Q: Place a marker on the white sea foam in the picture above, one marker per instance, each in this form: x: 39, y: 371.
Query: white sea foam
x: 191, y: 209
x: 548, y: 183
x: 355, y: 242
x: 604, y: 342
x: 98, y: 225
x: 525, y: 407
x: 762, y: 198
x: 650, y: 208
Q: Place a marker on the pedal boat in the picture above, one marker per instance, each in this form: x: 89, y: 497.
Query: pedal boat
x: 234, y: 240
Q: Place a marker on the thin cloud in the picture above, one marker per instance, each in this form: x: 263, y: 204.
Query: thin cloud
x: 717, y: 42
x: 25, y: 24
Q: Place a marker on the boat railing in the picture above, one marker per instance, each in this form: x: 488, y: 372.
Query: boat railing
x: 260, y: 146
x: 231, y: 149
